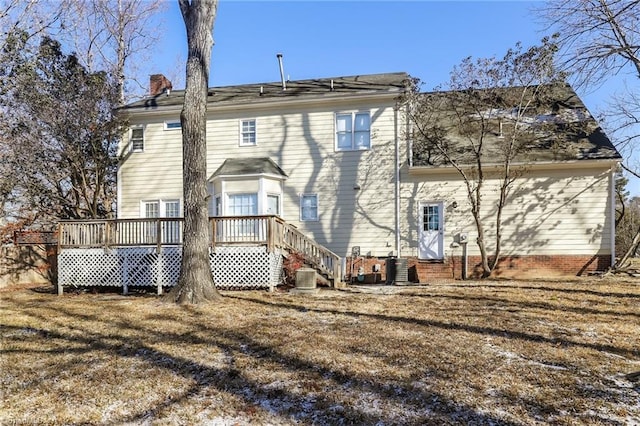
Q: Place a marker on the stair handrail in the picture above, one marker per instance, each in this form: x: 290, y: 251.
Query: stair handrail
x: 318, y: 256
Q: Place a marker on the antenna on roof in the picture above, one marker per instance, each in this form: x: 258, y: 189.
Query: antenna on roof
x: 284, y: 83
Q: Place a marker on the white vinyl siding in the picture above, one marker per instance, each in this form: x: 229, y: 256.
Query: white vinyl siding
x: 301, y: 140
x: 548, y: 212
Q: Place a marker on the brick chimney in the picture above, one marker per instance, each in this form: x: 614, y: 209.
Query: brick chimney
x: 158, y: 84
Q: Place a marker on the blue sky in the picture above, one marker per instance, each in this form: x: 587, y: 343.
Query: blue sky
x: 336, y: 38
x: 340, y: 38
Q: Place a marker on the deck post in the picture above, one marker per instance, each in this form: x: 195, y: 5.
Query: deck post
x: 107, y: 233
x: 213, y: 233
x: 158, y: 236
x: 59, y: 237
x: 270, y: 234
x: 159, y: 274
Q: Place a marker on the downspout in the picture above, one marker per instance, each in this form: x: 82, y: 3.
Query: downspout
x: 397, y: 179
x: 612, y: 212
x: 121, y: 151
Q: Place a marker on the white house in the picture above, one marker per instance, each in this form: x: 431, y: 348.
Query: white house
x: 332, y: 158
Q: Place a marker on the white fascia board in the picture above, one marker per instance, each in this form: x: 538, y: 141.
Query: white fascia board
x: 271, y: 103
x: 542, y: 165
x: 244, y: 177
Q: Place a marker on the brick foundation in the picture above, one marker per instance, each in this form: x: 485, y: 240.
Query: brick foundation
x: 424, y: 271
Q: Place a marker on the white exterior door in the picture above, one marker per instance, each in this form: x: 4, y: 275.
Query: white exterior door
x: 431, y: 235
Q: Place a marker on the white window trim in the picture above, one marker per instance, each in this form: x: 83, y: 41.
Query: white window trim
x: 162, y: 206
x: 273, y: 194
x: 168, y: 123
x: 228, y: 196
x: 317, y: 217
x: 240, y: 133
x: 131, y: 149
x: 353, y: 130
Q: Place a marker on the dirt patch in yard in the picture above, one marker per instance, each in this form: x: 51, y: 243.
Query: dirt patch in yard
x: 496, y: 352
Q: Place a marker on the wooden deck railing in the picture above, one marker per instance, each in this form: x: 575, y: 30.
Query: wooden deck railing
x: 271, y: 231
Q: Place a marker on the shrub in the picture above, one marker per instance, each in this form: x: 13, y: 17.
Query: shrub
x: 290, y: 266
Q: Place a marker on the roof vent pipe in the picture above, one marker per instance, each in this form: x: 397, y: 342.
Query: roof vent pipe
x: 284, y: 83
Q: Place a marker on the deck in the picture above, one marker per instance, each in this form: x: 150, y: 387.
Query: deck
x: 244, y: 252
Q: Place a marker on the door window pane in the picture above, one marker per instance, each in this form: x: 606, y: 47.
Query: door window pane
x: 431, y: 218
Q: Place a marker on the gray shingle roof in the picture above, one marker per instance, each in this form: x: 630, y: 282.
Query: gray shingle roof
x: 566, y: 131
x: 248, y: 166
x: 320, y: 87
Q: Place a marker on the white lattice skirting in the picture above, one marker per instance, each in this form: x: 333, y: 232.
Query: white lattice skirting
x: 232, y: 267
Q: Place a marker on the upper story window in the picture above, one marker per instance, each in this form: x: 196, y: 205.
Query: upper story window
x: 137, y: 139
x: 309, y: 207
x: 247, y: 132
x: 353, y: 131
x: 172, y: 125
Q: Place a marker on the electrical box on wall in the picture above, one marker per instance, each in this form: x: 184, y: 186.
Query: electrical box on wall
x: 376, y: 267
x: 463, y: 237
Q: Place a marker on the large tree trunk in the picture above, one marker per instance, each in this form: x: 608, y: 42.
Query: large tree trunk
x: 195, y: 284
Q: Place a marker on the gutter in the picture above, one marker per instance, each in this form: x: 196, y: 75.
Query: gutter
x: 537, y: 165
x: 276, y: 102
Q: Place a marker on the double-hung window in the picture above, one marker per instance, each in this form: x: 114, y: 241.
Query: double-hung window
x: 171, y: 229
x: 309, y: 207
x: 151, y: 211
x: 243, y: 205
x: 248, y: 132
x: 353, y: 131
x: 137, y: 139
x: 159, y: 209
x: 273, y: 204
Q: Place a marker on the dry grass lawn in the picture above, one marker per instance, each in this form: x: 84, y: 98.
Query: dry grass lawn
x: 500, y: 352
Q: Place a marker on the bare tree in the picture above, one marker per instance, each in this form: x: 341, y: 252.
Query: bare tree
x: 116, y: 36
x: 483, y: 124
x: 31, y: 18
x: 195, y: 284
x: 600, y: 39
